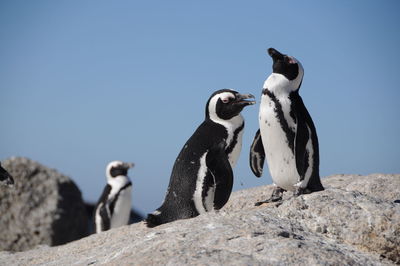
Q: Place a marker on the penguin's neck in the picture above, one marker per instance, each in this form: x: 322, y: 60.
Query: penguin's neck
x: 279, y: 85
x: 232, y: 123
x: 118, y: 182
x: 230, y: 126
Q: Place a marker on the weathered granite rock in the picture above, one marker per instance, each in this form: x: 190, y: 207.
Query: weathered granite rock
x: 367, y: 223
x: 337, y: 226
x: 43, y: 207
x: 380, y: 186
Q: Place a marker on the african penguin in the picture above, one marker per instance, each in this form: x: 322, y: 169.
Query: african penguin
x: 202, y: 176
x: 287, y: 135
x: 114, y: 206
x: 5, y: 177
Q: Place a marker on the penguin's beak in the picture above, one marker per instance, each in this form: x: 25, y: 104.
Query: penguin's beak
x: 128, y: 165
x: 242, y: 99
x: 275, y: 54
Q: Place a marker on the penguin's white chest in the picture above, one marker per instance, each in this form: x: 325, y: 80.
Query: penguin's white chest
x: 122, y: 208
x: 280, y: 157
x: 234, y: 155
x: 234, y: 129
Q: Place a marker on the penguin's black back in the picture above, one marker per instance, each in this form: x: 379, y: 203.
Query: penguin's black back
x: 178, y: 202
x: 105, y: 218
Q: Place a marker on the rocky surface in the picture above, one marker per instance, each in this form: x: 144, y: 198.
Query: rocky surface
x: 355, y: 221
x: 43, y: 207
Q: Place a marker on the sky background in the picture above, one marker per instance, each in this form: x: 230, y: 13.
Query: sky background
x: 86, y: 82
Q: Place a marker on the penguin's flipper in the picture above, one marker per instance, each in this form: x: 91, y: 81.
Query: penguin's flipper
x: 221, y: 171
x: 301, y: 153
x: 305, y: 127
x: 302, y: 135
x: 105, y: 218
x: 257, y: 155
x: 102, y: 210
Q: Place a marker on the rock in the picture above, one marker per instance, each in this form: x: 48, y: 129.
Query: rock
x: 353, y: 218
x: 385, y: 187
x: 43, y: 207
x: 338, y: 226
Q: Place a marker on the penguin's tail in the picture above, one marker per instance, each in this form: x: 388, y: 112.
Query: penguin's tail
x: 315, y: 184
x: 153, y: 219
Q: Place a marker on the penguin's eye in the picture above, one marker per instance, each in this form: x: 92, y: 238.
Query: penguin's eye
x: 227, y: 100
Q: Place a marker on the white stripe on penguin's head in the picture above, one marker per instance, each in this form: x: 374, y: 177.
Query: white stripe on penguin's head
x: 215, y: 100
x: 226, y: 104
x: 116, y: 169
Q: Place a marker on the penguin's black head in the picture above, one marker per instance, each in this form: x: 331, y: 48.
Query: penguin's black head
x: 226, y: 104
x: 5, y: 177
x: 285, y: 65
x: 117, y: 168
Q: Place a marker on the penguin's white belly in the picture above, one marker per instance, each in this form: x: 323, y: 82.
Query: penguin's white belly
x: 280, y: 158
x: 122, y: 209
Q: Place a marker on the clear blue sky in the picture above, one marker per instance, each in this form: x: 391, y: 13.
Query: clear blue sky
x: 86, y: 82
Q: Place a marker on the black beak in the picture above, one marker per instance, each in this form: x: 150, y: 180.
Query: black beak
x: 242, y: 99
x: 128, y: 165
x: 275, y: 54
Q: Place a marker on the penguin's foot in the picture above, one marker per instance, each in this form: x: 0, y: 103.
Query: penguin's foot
x: 276, y: 196
x: 299, y: 191
x: 270, y: 200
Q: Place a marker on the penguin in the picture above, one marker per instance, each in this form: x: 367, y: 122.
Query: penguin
x: 202, y: 177
x: 287, y: 136
x: 114, y: 206
x: 5, y: 177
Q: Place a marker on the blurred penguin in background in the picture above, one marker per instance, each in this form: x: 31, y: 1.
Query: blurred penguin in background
x: 114, y: 206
